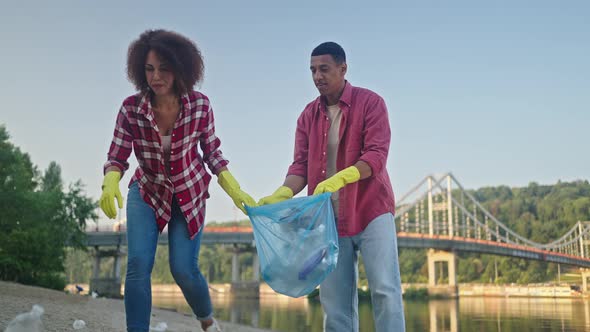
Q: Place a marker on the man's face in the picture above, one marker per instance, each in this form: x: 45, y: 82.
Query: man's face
x: 328, y: 75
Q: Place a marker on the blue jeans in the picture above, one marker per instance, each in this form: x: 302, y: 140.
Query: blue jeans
x: 142, y: 240
x: 338, y: 292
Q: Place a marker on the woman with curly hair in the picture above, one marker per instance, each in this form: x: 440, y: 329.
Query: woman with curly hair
x: 163, y: 124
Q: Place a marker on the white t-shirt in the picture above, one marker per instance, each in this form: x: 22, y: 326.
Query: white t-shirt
x: 335, y: 116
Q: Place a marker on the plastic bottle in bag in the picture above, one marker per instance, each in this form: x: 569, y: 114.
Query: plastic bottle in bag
x: 28, y: 321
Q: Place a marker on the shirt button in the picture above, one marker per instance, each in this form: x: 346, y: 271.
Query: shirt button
x: 171, y: 168
x: 323, y: 172
x: 324, y: 153
x: 180, y: 199
x: 325, y: 134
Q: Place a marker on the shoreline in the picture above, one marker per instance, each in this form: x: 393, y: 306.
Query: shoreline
x: 464, y: 290
x: 99, y: 314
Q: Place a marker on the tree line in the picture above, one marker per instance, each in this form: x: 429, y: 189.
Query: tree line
x: 541, y: 213
x: 42, y: 237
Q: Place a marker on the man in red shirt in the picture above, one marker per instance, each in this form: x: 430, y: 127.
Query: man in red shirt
x: 341, y: 146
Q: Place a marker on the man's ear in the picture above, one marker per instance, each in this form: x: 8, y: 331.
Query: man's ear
x: 344, y: 68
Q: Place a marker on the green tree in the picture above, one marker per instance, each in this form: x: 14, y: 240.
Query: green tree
x: 38, y: 219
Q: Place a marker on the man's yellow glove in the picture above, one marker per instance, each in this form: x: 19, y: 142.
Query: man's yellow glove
x: 232, y: 188
x: 338, y: 180
x: 110, y: 191
x: 281, y: 194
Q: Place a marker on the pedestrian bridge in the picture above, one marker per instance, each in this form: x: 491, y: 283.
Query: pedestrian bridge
x: 437, y: 214
x: 244, y: 235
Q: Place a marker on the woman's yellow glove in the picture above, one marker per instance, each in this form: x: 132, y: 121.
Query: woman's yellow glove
x: 110, y: 191
x: 232, y: 188
x: 338, y: 180
x: 281, y: 194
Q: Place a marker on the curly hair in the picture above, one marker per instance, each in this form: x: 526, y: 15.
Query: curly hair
x: 181, y: 54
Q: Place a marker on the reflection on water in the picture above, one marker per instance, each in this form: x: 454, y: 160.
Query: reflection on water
x: 282, y: 313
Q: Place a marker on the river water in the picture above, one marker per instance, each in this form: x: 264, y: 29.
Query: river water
x: 479, y: 314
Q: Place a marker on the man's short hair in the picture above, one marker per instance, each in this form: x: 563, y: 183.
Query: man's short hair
x: 331, y: 48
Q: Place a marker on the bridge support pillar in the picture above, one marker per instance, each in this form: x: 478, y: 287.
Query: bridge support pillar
x: 255, y: 268
x: 585, y: 275
x: 110, y: 285
x: 435, y: 256
x: 235, y: 266
x: 241, y: 288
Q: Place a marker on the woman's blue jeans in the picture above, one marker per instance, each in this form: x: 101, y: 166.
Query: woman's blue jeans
x: 142, y: 240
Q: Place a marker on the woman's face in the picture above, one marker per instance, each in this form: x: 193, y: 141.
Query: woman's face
x: 159, y: 75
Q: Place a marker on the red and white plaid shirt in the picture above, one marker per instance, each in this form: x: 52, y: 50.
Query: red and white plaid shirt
x: 188, y: 180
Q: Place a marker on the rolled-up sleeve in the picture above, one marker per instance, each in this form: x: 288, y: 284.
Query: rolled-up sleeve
x: 377, y: 135
x: 210, y: 143
x: 121, y: 145
x: 299, y: 165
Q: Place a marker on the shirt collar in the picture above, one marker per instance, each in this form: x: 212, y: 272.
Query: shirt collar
x: 145, y: 104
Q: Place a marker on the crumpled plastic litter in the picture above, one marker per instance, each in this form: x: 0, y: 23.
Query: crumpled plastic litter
x: 28, y: 321
x: 160, y: 327
x: 79, y: 324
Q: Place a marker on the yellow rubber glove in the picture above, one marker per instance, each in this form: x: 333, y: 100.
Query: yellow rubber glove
x: 282, y: 194
x: 338, y: 180
x: 232, y: 188
x: 110, y: 191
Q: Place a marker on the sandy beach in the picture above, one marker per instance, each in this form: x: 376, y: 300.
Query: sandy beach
x: 100, y: 314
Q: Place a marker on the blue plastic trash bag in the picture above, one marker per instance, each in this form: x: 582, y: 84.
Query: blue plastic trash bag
x: 297, y: 243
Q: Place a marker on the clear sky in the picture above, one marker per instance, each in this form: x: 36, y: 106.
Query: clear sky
x: 498, y: 92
